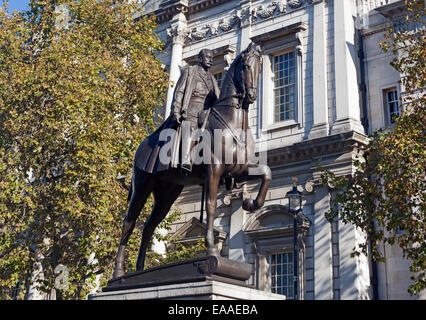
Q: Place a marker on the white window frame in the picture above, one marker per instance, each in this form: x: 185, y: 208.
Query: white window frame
x: 267, y: 83
x: 386, y: 103
x: 384, y: 106
x: 292, y: 83
x: 288, y: 275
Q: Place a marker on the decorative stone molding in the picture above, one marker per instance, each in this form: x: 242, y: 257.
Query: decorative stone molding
x: 395, y: 12
x: 177, y: 34
x: 296, y: 29
x: 199, y: 34
x: 239, y: 19
x: 295, y: 4
x: 299, y: 47
x: 349, y: 142
x: 168, y: 9
x: 309, y: 186
x: 267, y: 12
x: 228, y: 24
x: 280, y: 222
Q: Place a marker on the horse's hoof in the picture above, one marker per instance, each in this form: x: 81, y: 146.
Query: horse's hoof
x: 118, y: 273
x: 249, y: 205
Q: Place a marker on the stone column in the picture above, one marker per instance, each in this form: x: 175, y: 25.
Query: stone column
x: 319, y: 70
x: 178, y: 33
x: 323, y: 274
x: 348, y: 117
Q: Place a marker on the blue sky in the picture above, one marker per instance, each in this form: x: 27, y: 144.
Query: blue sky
x: 19, y: 5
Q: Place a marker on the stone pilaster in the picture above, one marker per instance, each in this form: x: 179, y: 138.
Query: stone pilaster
x: 320, y: 102
x: 354, y: 271
x: 348, y: 117
x: 322, y: 246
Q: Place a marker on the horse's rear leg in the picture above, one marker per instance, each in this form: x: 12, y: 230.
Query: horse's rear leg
x: 214, y: 174
x: 164, y: 197
x: 142, y: 186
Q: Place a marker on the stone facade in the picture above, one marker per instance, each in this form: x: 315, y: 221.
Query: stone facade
x: 328, y: 126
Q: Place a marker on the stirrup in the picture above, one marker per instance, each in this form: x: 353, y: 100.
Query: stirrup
x: 186, y: 168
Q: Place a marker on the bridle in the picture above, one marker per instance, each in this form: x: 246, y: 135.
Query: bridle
x: 244, y: 65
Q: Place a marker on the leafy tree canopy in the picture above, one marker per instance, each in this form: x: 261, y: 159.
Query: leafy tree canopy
x: 80, y: 84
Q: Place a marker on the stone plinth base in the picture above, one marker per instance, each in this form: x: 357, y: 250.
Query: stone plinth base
x: 204, y: 290
x: 194, y: 270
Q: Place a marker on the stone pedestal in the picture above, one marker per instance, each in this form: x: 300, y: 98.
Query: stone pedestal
x: 203, y: 290
x: 204, y: 278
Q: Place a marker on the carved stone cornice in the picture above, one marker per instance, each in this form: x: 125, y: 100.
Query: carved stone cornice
x: 199, y: 5
x: 317, y: 148
x: 295, y: 28
x: 395, y: 13
x: 239, y: 18
x: 168, y: 9
x: 391, y: 10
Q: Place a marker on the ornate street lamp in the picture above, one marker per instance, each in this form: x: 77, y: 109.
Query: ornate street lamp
x: 294, y: 207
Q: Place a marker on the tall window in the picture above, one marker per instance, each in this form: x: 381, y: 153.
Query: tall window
x: 391, y: 105
x: 281, y: 269
x: 219, y: 78
x: 284, y: 68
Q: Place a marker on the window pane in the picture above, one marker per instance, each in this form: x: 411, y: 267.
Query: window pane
x: 281, y: 269
x: 391, y: 105
x: 284, y: 86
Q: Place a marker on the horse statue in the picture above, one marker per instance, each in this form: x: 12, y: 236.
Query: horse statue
x: 230, y: 114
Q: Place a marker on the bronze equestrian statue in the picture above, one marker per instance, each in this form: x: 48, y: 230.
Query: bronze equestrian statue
x: 228, y: 113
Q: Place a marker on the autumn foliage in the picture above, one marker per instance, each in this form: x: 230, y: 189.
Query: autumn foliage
x: 80, y: 88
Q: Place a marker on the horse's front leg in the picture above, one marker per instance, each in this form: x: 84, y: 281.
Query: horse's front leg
x: 264, y: 172
x: 212, y: 184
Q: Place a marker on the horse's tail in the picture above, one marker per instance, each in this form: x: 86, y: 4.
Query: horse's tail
x: 129, y: 196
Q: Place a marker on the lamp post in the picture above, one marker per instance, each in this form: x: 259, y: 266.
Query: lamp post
x: 294, y: 207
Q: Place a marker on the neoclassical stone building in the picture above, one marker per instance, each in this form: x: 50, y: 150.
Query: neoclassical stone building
x: 325, y: 85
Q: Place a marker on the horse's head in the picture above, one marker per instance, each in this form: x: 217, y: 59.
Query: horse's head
x: 251, y: 66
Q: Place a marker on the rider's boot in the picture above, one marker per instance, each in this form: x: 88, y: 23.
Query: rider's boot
x: 186, y: 166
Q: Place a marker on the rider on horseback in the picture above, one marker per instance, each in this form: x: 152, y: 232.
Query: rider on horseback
x: 196, y: 92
